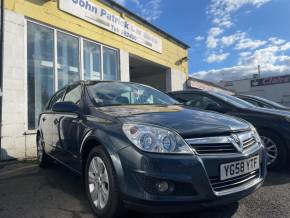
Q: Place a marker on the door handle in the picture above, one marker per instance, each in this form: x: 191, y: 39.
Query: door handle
x: 55, y: 121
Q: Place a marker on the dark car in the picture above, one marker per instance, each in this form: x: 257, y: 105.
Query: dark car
x: 272, y: 125
x: 262, y: 102
x: 136, y: 147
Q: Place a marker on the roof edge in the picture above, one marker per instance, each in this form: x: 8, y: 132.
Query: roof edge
x: 209, y: 83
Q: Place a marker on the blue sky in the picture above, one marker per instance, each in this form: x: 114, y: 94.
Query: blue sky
x: 228, y: 38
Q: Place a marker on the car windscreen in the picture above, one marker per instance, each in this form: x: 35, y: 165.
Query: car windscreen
x: 233, y: 100
x: 119, y: 93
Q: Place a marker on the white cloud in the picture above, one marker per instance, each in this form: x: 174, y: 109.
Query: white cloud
x: 199, y: 38
x: 217, y: 57
x: 247, y: 43
x: 284, y: 59
x: 211, y: 41
x: 270, y: 58
x: 245, y: 54
x: 276, y: 41
x: 240, y: 72
x: 264, y: 56
x: 150, y: 10
x: 221, y: 10
x: 229, y: 40
x: 215, y: 31
x: 285, y: 47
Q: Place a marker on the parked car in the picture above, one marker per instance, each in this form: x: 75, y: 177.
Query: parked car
x: 262, y: 102
x: 272, y: 125
x: 136, y: 147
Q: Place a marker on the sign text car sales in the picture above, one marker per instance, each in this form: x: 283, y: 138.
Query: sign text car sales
x: 270, y: 81
x: 89, y: 11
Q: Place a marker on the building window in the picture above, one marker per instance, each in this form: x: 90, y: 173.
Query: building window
x: 40, y: 57
x: 92, y: 61
x: 111, y: 65
x: 67, y: 59
x: 47, y: 46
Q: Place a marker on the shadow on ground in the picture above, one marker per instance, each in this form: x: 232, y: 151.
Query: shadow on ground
x: 58, y: 191
x: 278, y: 177
x: 28, y: 191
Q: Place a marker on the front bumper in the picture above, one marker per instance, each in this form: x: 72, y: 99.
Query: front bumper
x: 190, y: 178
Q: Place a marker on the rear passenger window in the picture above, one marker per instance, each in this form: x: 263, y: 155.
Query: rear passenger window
x: 74, y: 94
x: 186, y: 97
x: 56, y: 98
x: 201, y: 102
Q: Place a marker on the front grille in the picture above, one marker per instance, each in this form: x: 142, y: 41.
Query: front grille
x: 248, y: 143
x: 219, y: 185
x: 215, y: 148
x: 223, y: 144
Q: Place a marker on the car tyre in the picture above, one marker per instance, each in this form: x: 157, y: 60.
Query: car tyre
x: 269, y: 138
x: 101, y: 185
x: 43, y: 159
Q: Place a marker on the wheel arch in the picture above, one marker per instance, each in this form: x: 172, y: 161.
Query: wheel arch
x: 90, y: 141
x: 273, y: 131
x: 86, y: 147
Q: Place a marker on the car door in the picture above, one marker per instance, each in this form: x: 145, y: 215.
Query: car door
x: 46, y: 122
x: 66, y: 129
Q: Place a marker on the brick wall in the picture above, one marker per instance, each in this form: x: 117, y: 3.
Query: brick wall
x: 14, y: 142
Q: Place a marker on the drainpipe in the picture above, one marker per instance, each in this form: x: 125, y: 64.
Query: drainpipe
x: 1, y: 67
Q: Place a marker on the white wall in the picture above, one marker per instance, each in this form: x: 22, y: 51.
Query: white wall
x: 277, y: 92
x: 175, y: 80
x: 124, y: 66
x: 14, y: 142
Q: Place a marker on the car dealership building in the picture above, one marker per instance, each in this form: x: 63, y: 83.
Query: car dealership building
x: 51, y: 43
x: 275, y: 88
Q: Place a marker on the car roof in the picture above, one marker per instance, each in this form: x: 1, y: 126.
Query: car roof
x: 188, y: 91
x: 89, y: 82
x: 250, y: 96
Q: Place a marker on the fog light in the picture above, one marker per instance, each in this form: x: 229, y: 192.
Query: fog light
x: 162, y: 186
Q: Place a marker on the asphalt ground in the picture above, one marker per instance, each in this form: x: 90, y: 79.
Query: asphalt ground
x: 29, y: 191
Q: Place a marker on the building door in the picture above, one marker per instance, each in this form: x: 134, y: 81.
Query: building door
x: 149, y: 73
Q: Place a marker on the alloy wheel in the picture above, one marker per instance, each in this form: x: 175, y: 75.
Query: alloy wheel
x: 98, y: 182
x: 271, y: 149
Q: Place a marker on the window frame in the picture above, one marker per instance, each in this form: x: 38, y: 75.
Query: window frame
x: 81, y: 40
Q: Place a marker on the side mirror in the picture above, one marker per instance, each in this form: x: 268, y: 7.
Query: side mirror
x: 66, y: 107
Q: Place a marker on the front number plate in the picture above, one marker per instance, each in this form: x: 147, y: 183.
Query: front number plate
x: 238, y: 168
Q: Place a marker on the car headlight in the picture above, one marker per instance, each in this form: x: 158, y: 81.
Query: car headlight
x: 256, y: 135
x: 156, y: 139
